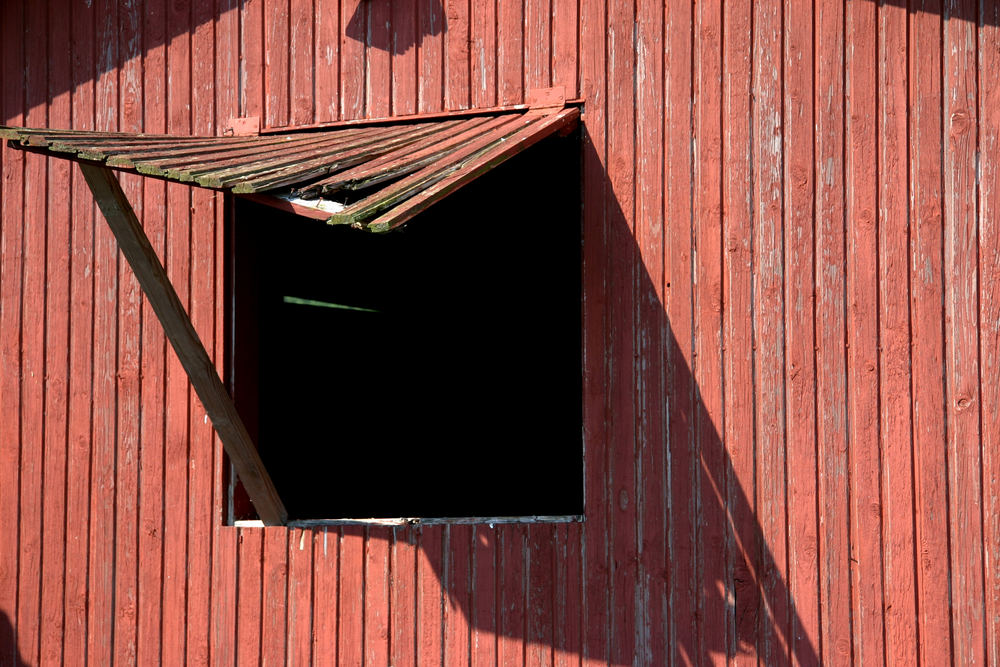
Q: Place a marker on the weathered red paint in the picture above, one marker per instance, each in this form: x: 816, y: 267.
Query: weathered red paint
x: 790, y: 325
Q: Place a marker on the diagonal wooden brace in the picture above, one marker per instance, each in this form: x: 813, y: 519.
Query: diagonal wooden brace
x: 181, y: 333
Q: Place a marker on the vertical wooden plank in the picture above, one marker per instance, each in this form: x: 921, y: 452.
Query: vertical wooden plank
x: 250, y: 554
x: 57, y: 305
x: 989, y: 316
x: 484, y: 597
x: 274, y: 596
x: 82, y: 351
x: 458, y: 601
x: 456, y: 64
x: 32, y: 361
x: 510, y: 52
x: 378, y: 75
x: 430, y: 57
x: 351, y: 585
x: 595, y: 570
x: 684, y: 591
x: 11, y: 257
x: 224, y: 582
x: 511, y: 594
x: 129, y: 302
x: 176, y: 385
x: 743, y: 535
x: 483, y: 65
x: 377, y: 607
x: 405, y: 45
x: 768, y: 330
x: 537, y: 44
x: 101, y: 579
x: 303, y: 69
x: 326, y: 34
x: 151, y: 450
x: 862, y: 335
x: 835, y: 592
x: 961, y: 316
x: 353, y: 21
x: 568, y: 612
x: 894, y: 341
x: 225, y: 596
x: 707, y: 294
x: 252, y: 58
x: 403, y: 598
x: 927, y: 341
x: 800, y: 342
x: 565, y: 48
x: 325, y: 590
x: 539, y: 607
x: 202, y: 310
x: 277, y: 77
x: 652, y: 335
x: 621, y: 363
x: 429, y: 621
x: 300, y: 600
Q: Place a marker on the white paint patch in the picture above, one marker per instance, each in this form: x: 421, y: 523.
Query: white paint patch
x: 325, y: 205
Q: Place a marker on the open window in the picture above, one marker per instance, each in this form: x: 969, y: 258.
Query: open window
x: 433, y: 371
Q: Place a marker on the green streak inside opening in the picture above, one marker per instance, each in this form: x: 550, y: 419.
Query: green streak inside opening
x: 325, y: 304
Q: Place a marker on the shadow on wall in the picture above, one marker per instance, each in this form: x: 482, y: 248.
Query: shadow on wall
x: 9, y: 655
x: 83, y: 41
x: 395, y: 27
x: 704, y: 580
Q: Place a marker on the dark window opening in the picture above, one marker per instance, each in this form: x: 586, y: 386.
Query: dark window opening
x: 433, y: 371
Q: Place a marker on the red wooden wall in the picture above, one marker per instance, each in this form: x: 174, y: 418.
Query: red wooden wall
x: 791, y: 327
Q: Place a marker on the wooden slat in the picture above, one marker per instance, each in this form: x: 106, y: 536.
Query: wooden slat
x: 57, y: 371
x: 186, y: 343
x: 376, y: 595
x: 596, y: 563
x: 325, y: 591
x: 737, y: 339
x: 682, y: 630
x: 989, y: 317
x: 352, y: 59
x: 326, y: 35
x: 276, y: 64
x: 153, y: 397
x: 961, y: 316
x: 274, y: 597
x: 862, y: 338
x: 378, y: 75
x: 458, y: 598
x: 403, y: 160
x: 799, y: 371
x: 250, y: 560
x: 482, y: 614
x: 403, y: 24
x: 830, y: 313
x: 82, y: 354
x: 926, y: 284
x: 651, y: 335
x: 403, y: 598
x: 430, y: 56
x: 457, y: 54
x: 894, y: 340
x: 429, y: 620
x: 483, y: 70
x: 299, y: 609
x: 303, y: 69
x: 511, y: 594
x: 351, y: 587
x: 510, y: 51
x: 438, y: 180
x: 623, y: 368
x: 539, y: 641
x: 707, y: 295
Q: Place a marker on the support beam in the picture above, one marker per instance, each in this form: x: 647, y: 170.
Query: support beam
x: 182, y: 335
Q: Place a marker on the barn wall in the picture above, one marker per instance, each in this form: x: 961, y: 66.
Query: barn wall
x: 791, y: 333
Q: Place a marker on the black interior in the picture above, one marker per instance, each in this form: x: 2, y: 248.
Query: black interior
x: 441, y: 377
